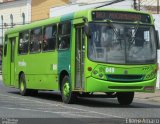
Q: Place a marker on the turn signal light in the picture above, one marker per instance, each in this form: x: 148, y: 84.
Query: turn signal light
x: 89, y: 68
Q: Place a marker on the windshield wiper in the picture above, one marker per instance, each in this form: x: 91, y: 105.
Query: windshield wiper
x: 119, y: 38
x: 112, y: 26
x: 134, y: 33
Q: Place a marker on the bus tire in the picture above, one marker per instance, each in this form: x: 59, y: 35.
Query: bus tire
x: 68, y: 96
x: 22, y: 85
x: 125, y: 98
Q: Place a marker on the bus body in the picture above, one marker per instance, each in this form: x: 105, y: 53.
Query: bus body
x: 95, y: 50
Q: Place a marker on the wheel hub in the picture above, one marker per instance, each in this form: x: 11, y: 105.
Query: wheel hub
x: 66, y: 89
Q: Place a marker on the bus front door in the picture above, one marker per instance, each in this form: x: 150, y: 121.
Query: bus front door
x: 12, y: 57
x: 80, y: 54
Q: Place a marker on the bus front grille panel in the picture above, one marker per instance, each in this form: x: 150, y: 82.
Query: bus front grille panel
x: 125, y: 78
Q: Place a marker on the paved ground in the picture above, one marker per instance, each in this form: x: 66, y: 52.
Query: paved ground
x: 149, y: 96
x: 48, y: 105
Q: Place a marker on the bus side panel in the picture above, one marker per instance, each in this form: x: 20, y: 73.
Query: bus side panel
x: 64, y: 56
x: 64, y: 61
x: 16, y: 78
x: 40, y: 70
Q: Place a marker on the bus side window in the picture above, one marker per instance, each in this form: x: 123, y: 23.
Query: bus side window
x: 23, y: 42
x: 5, y: 45
x: 49, y: 38
x: 36, y: 40
x: 64, y: 35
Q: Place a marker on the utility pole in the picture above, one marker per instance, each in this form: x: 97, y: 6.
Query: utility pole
x: 135, y: 4
x: 2, y: 28
x: 157, y: 6
x: 139, y: 5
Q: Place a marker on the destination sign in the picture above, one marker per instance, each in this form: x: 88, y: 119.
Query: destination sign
x: 120, y: 16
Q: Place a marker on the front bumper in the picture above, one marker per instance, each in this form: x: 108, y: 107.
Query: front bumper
x: 96, y: 85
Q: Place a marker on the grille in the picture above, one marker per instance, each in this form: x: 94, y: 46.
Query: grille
x: 125, y: 78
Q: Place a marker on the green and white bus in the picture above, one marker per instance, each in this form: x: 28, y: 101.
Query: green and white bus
x: 112, y: 52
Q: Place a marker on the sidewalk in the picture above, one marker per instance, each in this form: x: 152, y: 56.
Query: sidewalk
x: 149, y: 96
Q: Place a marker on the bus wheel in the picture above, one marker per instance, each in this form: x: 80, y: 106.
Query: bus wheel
x: 67, y: 95
x: 22, y: 85
x: 125, y: 98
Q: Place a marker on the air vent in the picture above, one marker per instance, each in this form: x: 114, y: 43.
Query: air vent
x: 125, y: 78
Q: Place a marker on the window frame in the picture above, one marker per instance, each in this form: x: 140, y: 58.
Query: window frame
x: 43, y: 30
x: 60, y: 36
x: 34, y: 52
x: 28, y: 42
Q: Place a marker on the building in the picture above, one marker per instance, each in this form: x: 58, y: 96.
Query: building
x: 149, y: 5
x: 12, y: 13
x: 76, y: 5
x: 18, y: 12
x: 5, y: 1
x: 41, y: 8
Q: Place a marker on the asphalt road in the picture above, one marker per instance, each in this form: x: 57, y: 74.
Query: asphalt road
x: 89, y: 110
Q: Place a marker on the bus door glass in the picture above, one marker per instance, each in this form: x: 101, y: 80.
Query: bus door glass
x: 12, y: 57
x: 80, y: 54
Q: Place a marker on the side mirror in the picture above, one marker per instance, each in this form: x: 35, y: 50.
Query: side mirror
x: 87, y: 31
x: 86, y: 28
x: 157, y: 40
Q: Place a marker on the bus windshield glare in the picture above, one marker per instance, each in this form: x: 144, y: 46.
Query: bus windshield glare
x: 119, y: 43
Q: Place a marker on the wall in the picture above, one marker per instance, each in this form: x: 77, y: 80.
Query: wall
x: 157, y: 26
x: 40, y: 8
x: 77, y: 5
x: 15, y: 8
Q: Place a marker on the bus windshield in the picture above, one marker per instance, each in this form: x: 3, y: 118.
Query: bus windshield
x: 122, y: 43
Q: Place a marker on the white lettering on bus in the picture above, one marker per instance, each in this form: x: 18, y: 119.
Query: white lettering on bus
x: 22, y: 63
x: 54, y: 66
x: 110, y: 70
